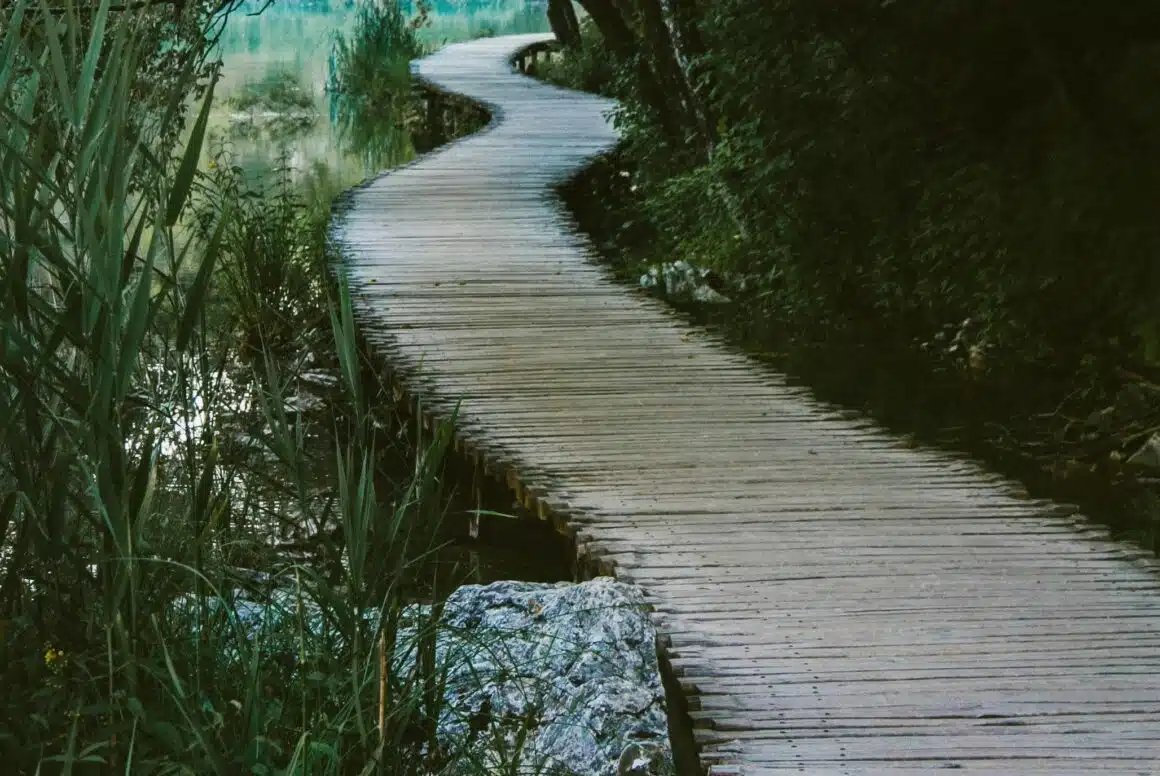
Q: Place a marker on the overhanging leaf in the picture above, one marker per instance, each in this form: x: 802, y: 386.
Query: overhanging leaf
x: 184, y: 181
x: 196, y: 299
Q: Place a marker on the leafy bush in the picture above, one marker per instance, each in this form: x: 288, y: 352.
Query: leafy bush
x: 374, y: 62
x: 920, y: 166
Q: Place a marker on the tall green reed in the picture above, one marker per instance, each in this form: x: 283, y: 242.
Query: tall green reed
x: 130, y: 568
x: 89, y: 212
x: 372, y: 100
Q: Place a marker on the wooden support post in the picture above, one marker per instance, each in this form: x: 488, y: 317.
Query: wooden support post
x: 435, y: 116
x: 476, y: 568
x: 477, y: 492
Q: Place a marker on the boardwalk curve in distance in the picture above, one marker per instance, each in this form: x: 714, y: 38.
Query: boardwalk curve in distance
x: 835, y: 601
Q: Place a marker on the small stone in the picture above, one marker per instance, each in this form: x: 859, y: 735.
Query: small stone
x: 709, y: 295
x: 319, y: 378
x: 302, y: 402
x: 641, y: 759
x: 682, y: 280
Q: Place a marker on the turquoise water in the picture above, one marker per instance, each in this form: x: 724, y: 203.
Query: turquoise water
x: 295, y: 36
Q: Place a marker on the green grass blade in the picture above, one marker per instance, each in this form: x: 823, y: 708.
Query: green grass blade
x: 140, y: 317
x: 132, y: 749
x: 101, y: 108
x: 9, y: 48
x: 70, y: 753
x: 180, y: 699
x: 92, y: 55
x: 183, y: 183
x: 346, y: 345
x: 56, y: 59
x: 195, y: 301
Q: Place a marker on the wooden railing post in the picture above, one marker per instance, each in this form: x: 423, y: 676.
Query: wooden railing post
x: 527, y: 59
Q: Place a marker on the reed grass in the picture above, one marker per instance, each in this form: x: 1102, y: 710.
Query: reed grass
x: 156, y: 476
x: 372, y: 97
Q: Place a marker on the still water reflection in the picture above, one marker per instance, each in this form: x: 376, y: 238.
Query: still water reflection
x: 283, y: 52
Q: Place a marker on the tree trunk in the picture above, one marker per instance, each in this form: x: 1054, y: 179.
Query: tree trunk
x: 565, y: 25
x: 666, y: 59
x: 617, y: 36
x: 662, y: 65
x: 685, y: 43
x: 623, y: 45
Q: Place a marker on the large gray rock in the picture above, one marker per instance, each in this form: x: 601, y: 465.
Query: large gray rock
x: 552, y: 679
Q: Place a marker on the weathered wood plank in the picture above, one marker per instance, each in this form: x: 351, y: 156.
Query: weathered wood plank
x: 835, y: 600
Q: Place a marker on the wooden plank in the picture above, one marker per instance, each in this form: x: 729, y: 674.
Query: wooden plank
x: 835, y: 600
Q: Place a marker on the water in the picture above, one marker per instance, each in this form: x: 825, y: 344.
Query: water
x: 294, y: 37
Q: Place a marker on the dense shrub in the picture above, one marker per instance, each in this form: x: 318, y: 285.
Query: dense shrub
x: 923, y: 164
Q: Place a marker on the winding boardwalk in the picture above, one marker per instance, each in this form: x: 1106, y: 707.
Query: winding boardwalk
x: 835, y: 601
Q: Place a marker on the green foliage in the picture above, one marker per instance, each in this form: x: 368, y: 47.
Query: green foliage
x: 279, y: 90
x: 380, y: 112
x: 161, y: 471
x: 921, y: 165
x: 374, y: 62
x: 370, y: 81
x: 275, y: 267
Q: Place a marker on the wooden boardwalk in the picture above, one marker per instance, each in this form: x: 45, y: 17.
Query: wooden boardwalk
x: 835, y: 601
